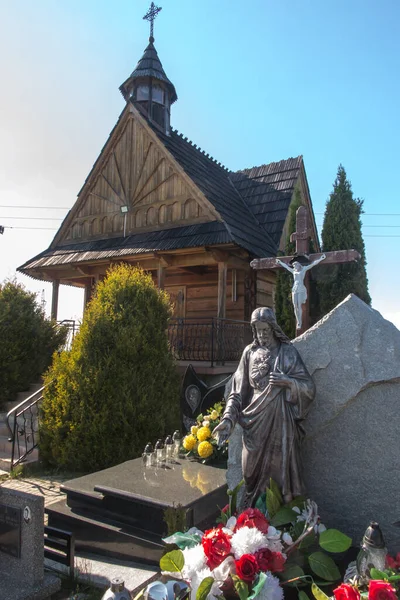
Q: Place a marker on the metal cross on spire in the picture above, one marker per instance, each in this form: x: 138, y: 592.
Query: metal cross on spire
x: 150, y: 16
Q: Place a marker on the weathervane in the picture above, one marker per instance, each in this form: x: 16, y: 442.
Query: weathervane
x: 150, y: 16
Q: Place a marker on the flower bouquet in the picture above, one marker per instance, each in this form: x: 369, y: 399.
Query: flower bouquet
x: 199, y: 443
x: 246, y: 556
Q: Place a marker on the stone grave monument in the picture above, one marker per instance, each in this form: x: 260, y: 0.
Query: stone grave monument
x: 351, y: 452
x: 22, y: 574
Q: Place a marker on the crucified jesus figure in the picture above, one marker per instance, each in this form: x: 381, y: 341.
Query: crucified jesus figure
x: 299, y: 290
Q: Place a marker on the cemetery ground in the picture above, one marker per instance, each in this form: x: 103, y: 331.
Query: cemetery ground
x: 92, y: 573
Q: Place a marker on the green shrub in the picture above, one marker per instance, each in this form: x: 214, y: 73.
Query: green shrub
x: 118, y: 386
x: 28, y: 340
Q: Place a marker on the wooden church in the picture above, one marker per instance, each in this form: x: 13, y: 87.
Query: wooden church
x: 154, y: 199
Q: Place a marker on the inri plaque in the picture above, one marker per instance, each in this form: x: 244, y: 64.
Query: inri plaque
x: 10, y: 530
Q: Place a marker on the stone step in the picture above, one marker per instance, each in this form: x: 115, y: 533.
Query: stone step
x: 5, y: 461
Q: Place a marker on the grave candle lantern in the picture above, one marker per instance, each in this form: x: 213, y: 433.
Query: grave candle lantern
x: 373, y: 551
x: 159, y: 447
x: 168, y: 448
x: 177, y: 442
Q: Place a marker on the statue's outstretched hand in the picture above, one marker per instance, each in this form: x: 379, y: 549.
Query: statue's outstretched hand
x: 223, y: 431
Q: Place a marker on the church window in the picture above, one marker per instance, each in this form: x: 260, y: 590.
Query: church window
x: 158, y: 95
x: 162, y: 214
x: 142, y: 93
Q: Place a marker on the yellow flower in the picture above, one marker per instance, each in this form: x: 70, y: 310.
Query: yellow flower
x: 214, y: 415
x: 205, y: 449
x: 189, y: 442
x: 203, y: 434
x: 194, y: 429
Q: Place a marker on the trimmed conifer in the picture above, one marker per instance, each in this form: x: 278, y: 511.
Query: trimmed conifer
x: 342, y: 231
x: 118, y: 387
x: 28, y: 340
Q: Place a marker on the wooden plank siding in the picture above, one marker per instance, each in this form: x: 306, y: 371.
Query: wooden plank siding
x: 202, y: 292
x: 265, y: 289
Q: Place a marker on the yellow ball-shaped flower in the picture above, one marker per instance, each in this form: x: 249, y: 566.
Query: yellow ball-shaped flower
x: 189, y: 442
x: 205, y: 449
x: 214, y: 415
x: 194, y: 429
x: 203, y: 434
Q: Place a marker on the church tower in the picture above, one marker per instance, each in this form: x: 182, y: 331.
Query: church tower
x: 148, y: 86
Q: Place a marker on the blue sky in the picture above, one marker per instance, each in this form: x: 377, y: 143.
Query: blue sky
x: 257, y: 81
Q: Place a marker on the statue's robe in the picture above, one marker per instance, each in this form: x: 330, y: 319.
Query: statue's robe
x: 271, y: 418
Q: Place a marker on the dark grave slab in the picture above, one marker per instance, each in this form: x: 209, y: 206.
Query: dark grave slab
x: 120, y: 511
x: 10, y: 530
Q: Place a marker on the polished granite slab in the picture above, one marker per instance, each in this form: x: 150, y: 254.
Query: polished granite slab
x: 120, y: 511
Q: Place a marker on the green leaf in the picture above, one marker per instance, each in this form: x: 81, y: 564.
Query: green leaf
x: 333, y: 540
x: 204, y: 588
x: 260, y: 504
x: 307, y: 541
x: 297, y: 530
x: 273, y: 486
x: 241, y: 587
x: 172, y: 561
x: 292, y: 573
x: 317, y: 593
x: 273, y: 504
x: 258, y: 586
x: 298, y: 501
x: 302, y: 595
x: 183, y: 540
x: 377, y: 574
x: 283, y: 516
x: 233, y: 497
x: 323, y: 566
x: 393, y: 578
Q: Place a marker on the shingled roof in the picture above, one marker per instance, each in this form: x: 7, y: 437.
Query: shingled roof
x: 267, y: 191
x: 214, y: 181
x: 190, y: 236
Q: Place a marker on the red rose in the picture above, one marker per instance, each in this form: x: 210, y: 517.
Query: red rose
x: 264, y: 559
x: 247, y: 567
x: 393, y: 563
x: 252, y: 517
x: 278, y: 561
x: 346, y: 592
x: 381, y: 590
x: 216, y: 546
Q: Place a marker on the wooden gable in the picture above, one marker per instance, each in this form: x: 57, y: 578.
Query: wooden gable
x: 134, y: 170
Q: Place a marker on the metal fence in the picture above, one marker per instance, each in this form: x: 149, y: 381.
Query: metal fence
x: 212, y: 339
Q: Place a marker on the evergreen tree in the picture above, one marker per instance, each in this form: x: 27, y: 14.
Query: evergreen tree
x: 28, y: 340
x: 118, y: 387
x: 342, y: 231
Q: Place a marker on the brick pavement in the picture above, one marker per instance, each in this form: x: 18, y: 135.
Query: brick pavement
x: 48, y: 487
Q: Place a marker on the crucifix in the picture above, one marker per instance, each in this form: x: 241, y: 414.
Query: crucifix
x: 150, y: 16
x: 299, y: 265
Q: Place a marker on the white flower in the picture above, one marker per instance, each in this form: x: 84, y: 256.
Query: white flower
x: 197, y: 578
x: 309, y: 514
x: 248, y: 540
x: 319, y: 528
x: 271, y: 589
x: 195, y: 560
x: 274, y: 539
x: 287, y: 538
x: 231, y: 524
x: 206, y: 423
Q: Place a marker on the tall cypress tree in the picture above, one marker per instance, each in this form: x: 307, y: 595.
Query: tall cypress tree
x: 342, y: 231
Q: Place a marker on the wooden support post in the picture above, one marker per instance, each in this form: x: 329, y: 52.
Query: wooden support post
x: 222, y: 275
x: 54, y: 299
x: 88, y: 293
x: 161, y: 276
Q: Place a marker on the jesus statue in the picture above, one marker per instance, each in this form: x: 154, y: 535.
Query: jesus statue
x: 299, y: 290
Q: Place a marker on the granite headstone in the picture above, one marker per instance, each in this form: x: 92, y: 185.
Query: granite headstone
x: 21, y: 547
x: 351, y: 453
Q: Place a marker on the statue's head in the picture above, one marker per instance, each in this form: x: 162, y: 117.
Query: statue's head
x: 263, y: 325
x: 296, y: 266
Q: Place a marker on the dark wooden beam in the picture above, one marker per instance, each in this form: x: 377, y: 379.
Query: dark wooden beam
x: 54, y: 299
x: 334, y: 257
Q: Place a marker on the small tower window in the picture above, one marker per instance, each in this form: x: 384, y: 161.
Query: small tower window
x: 142, y: 93
x: 158, y: 95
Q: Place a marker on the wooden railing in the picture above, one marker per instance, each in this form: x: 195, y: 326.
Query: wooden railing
x: 212, y: 340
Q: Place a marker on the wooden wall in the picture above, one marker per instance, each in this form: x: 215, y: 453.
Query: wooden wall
x: 201, y: 292
x: 266, y: 289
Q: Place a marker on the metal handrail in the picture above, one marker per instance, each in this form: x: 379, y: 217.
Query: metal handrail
x: 27, y: 409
